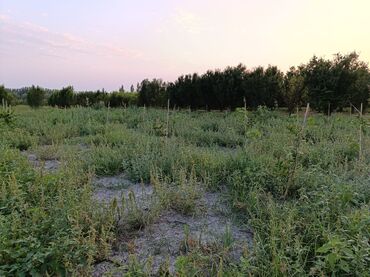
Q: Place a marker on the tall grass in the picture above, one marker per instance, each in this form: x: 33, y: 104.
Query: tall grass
x: 314, y: 222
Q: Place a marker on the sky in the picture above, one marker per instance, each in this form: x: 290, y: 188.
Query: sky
x: 95, y: 44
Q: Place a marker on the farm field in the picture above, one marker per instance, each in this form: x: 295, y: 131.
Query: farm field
x: 150, y: 192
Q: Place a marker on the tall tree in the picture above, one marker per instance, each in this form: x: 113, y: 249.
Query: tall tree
x: 152, y: 93
x: 295, y: 89
x: 336, y: 82
x: 63, y: 98
x: 274, y: 83
x: 35, y: 97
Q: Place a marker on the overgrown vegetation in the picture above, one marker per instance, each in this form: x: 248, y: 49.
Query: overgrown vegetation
x: 35, y: 97
x: 303, y: 188
x: 5, y: 96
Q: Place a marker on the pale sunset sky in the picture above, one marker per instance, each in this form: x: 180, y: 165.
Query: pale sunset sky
x: 94, y: 44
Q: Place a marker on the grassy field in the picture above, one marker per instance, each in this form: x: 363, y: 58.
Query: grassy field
x: 295, y: 194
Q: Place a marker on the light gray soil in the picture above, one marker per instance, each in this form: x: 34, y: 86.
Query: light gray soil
x: 163, y: 240
x: 50, y: 165
x: 110, y: 187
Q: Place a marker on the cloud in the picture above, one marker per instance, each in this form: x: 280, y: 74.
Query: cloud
x: 31, y: 36
x: 189, y: 22
x: 4, y: 17
x: 33, y: 27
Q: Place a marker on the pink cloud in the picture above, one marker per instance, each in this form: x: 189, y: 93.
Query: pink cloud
x: 48, y: 42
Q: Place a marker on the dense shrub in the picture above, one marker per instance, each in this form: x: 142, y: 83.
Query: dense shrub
x: 90, y: 98
x: 152, y: 93
x: 47, y: 223
x: 339, y: 82
x: 122, y: 99
x: 35, y: 96
x: 63, y: 98
x: 5, y: 96
x: 228, y: 89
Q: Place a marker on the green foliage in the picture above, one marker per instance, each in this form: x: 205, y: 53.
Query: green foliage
x: 180, y: 194
x: 122, y: 99
x: 339, y: 82
x: 5, y: 96
x: 66, y: 97
x: 63, y: 98
x: 227, y: 89
x: 318, y: 225
x: 152, y: 93
x: 90, y: 98
x: 329, y: 85
x: 6, y: 114
x: 17, y: 138
x: 105, y: 160
x: 47, y: 222
x: 295, y: 92
x: 35, y: 97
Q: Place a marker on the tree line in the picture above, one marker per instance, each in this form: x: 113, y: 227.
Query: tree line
x: 327, y: 84
x: 66, y: 97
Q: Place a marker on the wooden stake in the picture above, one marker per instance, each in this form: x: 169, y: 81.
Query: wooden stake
x: 305, y: 116
x: 245, y: 115
x: 297, y: 115
x: 107, y: 119
x: 245, y: 109
x: 291, y: 180
x: 168, y: 116
x: 355, y: 108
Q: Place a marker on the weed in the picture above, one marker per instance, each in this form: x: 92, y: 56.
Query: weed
x: 305, y: 194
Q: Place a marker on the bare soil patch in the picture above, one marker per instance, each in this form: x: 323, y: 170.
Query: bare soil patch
x: 110, y: 187
x: 48, y: 165
x: 172, y: 233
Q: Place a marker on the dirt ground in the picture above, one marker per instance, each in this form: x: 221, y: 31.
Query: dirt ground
x: 162, y: 241
x: 48, y: 165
